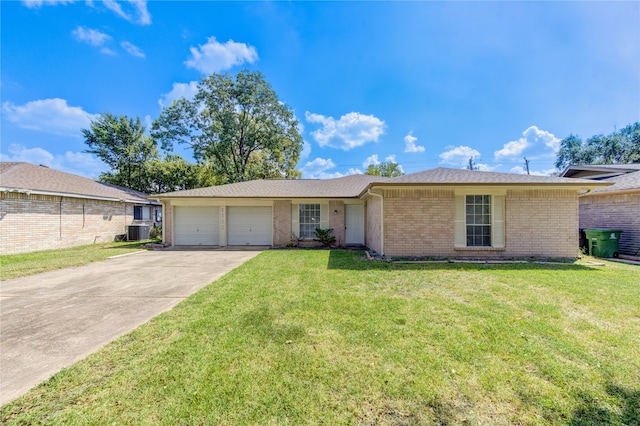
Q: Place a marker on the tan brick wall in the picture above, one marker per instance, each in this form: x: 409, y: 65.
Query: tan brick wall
x: 616, y: 211
x: 336, y: 220
x: 281, y: 222
x: 167, y: 222
x: 41, y: 222
x: 373, y: 222
x: 542, y: 223
x: 419, y: 222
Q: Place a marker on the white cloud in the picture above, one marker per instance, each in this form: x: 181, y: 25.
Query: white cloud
x: 306, y: 151
x: 319, y: 169
x: 390, y: 159
x: 350, y: 131
x: 484, y: 167
x: 90, y: 36
x: 530, y: 138
x: 458, y: 155
x: 180, y: 90
x: 49, y: 116
x: 372, y: 160
x: 214, y: 56
x: 521, y: 171
x: 139, y: 6
x: 78, y: 163
x: 40, y: 3
x: 410, y: 144
x: 132, y: 49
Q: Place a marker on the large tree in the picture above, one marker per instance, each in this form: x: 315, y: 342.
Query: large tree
x: 133, y: 158
x: 386, y: 168
x: 238, y: 125
x: 120, y: 142
x: 621, y: 146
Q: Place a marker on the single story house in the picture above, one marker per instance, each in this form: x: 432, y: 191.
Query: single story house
x: 42, y: 208
x: 616, y: 206
x: 440, y: 213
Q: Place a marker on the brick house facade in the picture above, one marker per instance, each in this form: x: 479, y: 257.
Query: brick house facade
x: 436, y: 213
x: 616, y: 206
x: 42, y: 209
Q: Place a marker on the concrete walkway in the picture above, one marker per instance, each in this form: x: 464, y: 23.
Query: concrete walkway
x: 51, y: 320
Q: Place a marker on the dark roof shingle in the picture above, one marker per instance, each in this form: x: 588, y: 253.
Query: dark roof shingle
x: 29, y: 177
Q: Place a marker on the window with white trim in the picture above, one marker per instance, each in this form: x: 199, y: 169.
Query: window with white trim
x: 309, y: 220
x: 141, y: 213
x: 478, y: 220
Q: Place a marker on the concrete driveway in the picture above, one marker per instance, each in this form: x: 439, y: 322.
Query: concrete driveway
x: 51, y: 320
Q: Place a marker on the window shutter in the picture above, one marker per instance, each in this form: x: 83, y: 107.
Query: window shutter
x: 295, y: 220
x: 460, y: 221
x: 498, y: 221
x: 324, y: 216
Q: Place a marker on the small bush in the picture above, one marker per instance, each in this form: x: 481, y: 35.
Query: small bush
x: 325, y: 236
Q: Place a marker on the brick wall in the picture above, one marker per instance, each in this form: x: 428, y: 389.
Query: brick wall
x: 41, y: 222
x: 336, y: 220
x: 167, y: 222
x: 616, y: 211
x: 281, y: 222
x: 419, y: 222
x: 542, y: 223
x: 373, y: 223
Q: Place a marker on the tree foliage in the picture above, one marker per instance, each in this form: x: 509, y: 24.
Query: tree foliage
x: 134, y: 160
x: 386, y: 169
x: 120, y: 143
x: 622, y: 146
x: 238, y: 125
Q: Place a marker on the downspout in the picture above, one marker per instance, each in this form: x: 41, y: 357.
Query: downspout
x: 381, y: 219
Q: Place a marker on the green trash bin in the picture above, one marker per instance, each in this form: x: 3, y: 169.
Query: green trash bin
x: 603, y: 242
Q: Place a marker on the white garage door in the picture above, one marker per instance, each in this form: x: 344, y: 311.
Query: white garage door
x: 197, y: 226
x: 250, y: 226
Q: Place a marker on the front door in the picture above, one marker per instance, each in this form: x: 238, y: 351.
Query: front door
x: 354, y: 222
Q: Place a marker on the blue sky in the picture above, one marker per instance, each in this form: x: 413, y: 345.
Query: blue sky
x: 427, y: 84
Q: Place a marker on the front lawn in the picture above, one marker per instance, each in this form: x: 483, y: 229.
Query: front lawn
x: 21, y: 265
x: 326, y: 337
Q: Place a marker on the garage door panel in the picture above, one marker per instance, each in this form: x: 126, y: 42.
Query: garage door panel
x: 197, y: 226
x: 250, y: 226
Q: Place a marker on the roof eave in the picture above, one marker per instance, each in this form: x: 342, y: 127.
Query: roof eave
x: 72, y: 195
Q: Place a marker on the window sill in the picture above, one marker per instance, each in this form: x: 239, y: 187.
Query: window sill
x: 479, y: 248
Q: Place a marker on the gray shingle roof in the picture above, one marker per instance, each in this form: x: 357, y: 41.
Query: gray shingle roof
x: 343, y: 187
x: 443, y: 175
x: 604, y: 168
x: 626, y: 182
x: 41, y: 179
x: 354, y: 185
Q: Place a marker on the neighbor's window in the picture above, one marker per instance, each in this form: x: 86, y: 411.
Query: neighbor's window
x: 309, y: 220
x: 478, y: 209
x: 141, y: 213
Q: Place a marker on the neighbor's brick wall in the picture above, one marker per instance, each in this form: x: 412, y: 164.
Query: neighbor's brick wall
x: 281, y: 222
x: 373, y: 222
x: 542, y: 223
x: 41, y: 222
x: 616, y: 211
x: 337, y: 220
x: 419, y: 222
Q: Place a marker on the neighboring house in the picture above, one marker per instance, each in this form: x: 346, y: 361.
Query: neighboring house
x: 440, y: 213
x: 42, y: 208
x: 616, y: 206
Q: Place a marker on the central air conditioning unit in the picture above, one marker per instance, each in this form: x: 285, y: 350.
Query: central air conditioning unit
x: 138, y: 232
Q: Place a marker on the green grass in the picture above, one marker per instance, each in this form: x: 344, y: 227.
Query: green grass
x: 325, y: 337
x: 21, y: 265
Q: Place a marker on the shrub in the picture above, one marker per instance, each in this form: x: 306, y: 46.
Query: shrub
x: 325, y: 236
